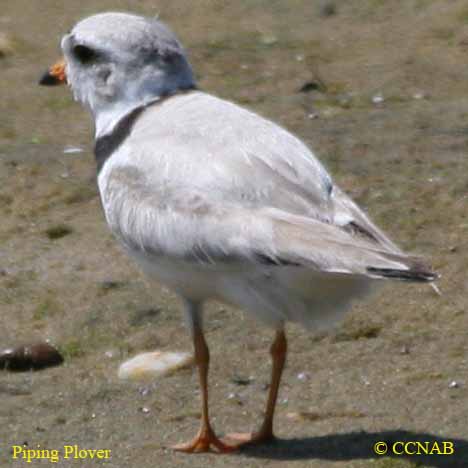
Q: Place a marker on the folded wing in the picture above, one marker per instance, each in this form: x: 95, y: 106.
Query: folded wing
x: 186, y: 225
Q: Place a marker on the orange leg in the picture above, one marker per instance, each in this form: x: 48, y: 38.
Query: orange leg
x: 206, y: 436
x: 278, y: 353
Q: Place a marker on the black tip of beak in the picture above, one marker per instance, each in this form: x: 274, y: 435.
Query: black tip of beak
x: 48, y: 80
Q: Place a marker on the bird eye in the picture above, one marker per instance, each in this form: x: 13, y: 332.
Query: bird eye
x: 84, y: 54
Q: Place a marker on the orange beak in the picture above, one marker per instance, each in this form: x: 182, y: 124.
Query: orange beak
x: 55, y: 75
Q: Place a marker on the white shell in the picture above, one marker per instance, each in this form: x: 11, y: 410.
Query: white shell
x: 155, y: 364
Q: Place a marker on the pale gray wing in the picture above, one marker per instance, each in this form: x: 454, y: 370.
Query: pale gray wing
x: 186, y: 225
x: 352, y: 219
x: 222, y: 185
x: 237, y: 156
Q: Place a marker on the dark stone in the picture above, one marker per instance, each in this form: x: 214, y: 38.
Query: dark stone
x: 310, y: 86
x: 59, y: 231
x: 327, y: 9
x: 30, y: 357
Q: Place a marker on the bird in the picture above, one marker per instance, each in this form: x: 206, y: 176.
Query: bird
x: 217, y: 202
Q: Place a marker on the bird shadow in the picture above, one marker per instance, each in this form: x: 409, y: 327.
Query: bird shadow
x: 360, y: 445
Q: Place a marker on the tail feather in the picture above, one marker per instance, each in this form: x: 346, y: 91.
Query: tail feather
x: 417, y: 271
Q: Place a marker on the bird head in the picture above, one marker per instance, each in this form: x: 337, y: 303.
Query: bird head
x: 115, y: 62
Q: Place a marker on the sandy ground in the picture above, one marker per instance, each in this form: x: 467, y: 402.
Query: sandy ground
x: 385, y: 374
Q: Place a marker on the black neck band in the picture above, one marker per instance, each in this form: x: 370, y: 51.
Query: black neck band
x: 107, y: 144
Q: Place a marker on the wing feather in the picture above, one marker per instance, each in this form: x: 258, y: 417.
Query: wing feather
x: 236, y: 192
x: 186, y: 225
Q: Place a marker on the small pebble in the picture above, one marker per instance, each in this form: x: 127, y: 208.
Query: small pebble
x: 404, y: 350
x: 310, y: 86
x: 145, y: 410
x: 72, y: 150
x: 378, y: 99
x: 419, y: 95
x: 58, y: 231
x: 30, y: 357
x: 313, y: 116
x: 234, y: 398
x: 268, y: 39
x: 144, y: 391
x: 454, y: 384
x: 109, y: 284
x: 242, y: 380
x: 302, y: 376
x: 156, y: 364
x: 436, y: 289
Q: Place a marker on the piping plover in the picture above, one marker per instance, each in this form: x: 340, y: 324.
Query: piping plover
x: 215, y: 201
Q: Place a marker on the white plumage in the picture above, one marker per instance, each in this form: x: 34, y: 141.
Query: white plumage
x: 214, y: 197
x: 215, y: 201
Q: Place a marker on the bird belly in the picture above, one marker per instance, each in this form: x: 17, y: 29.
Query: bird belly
x: 313, y: 299
x: 187, y: 279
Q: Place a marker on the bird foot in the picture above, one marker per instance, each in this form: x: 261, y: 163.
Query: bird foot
x: 241, y: 439
x: 203, y: 443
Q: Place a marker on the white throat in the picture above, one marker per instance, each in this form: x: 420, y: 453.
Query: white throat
x: 117, y: 63
x: 106, y: 119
